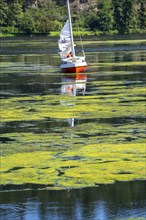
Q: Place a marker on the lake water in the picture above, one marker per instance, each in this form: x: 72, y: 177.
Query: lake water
x: 30, y: 72
x: 118, y: 201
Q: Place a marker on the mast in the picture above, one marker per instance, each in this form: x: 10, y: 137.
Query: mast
x: 70, y: 23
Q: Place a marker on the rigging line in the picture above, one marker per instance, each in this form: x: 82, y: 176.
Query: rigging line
x: 81, y: 42
x: 80, y: 35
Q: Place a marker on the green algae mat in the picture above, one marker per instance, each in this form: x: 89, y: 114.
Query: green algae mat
x: 99, y: 150
x: 88, y: 165
x: 62, y: 141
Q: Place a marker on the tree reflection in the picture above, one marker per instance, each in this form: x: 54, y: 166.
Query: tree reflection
x: 122, y: 200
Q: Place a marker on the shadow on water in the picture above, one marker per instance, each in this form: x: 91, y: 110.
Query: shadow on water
x: 121, y: 200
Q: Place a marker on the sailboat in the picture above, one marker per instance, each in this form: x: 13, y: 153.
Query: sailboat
x: 70, y: 63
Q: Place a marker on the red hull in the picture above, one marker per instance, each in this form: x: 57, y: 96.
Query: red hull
x: 77, y: 69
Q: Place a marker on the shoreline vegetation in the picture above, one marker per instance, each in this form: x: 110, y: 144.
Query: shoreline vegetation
x: 18, y: 18
x: 54, y: 34
x: 57, y: 33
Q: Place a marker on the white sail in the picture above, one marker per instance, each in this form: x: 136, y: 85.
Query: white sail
x: 70, y: 63
x: 64, y: 42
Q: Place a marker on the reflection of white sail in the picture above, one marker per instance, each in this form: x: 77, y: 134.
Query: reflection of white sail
x: 74, y: 86
x: 68, y: 86
x: 71, y: 122
x: 64, y: 42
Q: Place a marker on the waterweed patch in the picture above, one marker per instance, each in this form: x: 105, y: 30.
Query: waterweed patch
x: 111, y: 103
x: 58, y: 136
x: 106, y: 142
x: 88, y: 165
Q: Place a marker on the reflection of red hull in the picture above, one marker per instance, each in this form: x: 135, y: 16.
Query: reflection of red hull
x: 81, y: 77
x: 76, y: 69
x: 76, y: 76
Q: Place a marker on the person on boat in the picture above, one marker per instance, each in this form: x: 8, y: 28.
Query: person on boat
x: 69, y: 55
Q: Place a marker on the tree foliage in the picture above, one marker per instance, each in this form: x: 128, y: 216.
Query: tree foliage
x: 142, y: 14
x: 15, y: 14
x: 3, y: 13
x: 105, y: 16
x: 122, y: 16
x: 27, y: 24
x: 125, y: 16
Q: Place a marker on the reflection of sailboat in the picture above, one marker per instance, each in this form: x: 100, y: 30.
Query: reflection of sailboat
x: 70, y: 63
x: 73, y: 85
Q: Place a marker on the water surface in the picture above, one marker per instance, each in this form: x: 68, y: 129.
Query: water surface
x: 118, y: 201
x: 44, y: 110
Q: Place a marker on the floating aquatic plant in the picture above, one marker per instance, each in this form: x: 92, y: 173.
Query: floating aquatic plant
x: 122, y: 103
x: 88, y: 165
x: 63, y: 141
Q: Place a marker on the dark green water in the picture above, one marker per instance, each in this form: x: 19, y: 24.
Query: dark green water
x: 30, y: 67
